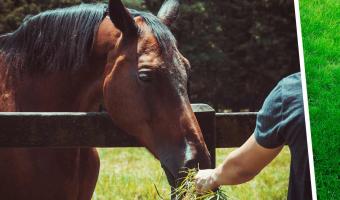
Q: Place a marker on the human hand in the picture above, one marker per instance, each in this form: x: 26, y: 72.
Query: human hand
x: 206, y: 180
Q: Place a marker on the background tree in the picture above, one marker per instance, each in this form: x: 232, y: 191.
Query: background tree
x: 238, y: 49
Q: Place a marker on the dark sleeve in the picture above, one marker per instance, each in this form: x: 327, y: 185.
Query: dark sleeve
x: 281, y: 118
x: 269, y: 120
x: 293, y: 127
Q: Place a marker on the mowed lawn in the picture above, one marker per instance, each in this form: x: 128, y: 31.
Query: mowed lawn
x: 321, y: 37
x: 133, y: 174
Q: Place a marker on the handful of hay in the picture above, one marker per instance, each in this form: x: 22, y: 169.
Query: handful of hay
x: 187, y: 190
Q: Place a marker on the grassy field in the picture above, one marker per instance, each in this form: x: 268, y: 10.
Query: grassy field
x: 321, y: 37
x: 132, y: 173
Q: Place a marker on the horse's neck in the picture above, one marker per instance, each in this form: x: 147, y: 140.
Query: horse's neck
x: 3, y: 37
x: 55, y: 92
x: 6, y: 93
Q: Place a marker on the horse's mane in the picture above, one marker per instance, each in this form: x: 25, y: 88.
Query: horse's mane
x: 54, y: 40
x: 62, y: 39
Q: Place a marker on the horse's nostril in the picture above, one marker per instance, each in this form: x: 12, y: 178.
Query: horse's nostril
x: 199, y: 161
x: 190, y: 164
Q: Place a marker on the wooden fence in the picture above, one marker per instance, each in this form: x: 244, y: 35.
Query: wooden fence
x: 220, y: 130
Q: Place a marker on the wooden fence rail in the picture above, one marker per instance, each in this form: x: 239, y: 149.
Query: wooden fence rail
x: 220, y: 130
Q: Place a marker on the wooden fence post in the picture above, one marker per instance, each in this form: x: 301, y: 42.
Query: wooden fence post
x: 205, y: 115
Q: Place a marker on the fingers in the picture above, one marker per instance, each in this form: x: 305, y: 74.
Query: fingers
x: 199, y: 188
x: 204, y: 181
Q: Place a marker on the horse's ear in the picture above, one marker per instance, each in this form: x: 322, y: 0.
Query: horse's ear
x: 169, y: 12
x: 122, y: 19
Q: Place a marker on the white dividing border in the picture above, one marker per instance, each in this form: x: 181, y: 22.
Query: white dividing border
x: 305, y: 98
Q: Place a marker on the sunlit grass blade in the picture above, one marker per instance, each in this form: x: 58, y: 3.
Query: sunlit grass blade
x: 187, y: 189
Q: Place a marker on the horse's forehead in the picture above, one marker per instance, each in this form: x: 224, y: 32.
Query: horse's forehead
x: 139, y: 21
x: 147, y: 41
x: 150, y: 51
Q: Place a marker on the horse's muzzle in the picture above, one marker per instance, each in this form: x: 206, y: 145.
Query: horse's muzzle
x: 177, y: 166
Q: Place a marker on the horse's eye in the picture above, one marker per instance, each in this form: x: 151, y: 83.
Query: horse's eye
x: 145, y: 74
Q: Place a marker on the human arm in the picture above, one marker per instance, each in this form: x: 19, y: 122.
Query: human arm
x: 240, y: 166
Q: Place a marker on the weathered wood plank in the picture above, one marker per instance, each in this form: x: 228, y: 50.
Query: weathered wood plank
x: 97, y: 129
x: 61, y: 130
x: 233, y: 129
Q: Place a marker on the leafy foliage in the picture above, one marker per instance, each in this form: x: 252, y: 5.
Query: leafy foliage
x: 238, y: 49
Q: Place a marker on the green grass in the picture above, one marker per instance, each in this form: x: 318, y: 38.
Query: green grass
x: 132, y: 173
x: 321, y: 37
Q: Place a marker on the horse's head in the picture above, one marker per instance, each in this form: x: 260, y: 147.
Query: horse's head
x: 145, y: 86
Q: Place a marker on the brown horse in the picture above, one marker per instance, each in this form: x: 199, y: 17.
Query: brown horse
x: 71, y: 60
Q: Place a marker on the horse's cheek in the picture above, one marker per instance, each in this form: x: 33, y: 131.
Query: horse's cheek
x: 118, y: 101
x: 109, y: 95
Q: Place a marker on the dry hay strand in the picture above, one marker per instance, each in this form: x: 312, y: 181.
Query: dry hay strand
x: 187, y: 190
